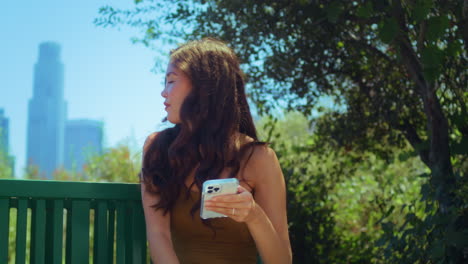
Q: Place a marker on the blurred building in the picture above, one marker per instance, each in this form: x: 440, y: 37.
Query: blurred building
x: 47, y: 112
x: 4, y: 141
x: 83, y: 139
x: 4, y: 129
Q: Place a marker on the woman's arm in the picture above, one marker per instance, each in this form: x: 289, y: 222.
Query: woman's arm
x: 267, y: 221
x: 158, y: 225
x: 157, y: 230
x: 264, y: 214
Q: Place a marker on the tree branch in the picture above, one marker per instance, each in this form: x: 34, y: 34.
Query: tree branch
x: 416, y: 142
x: 437, y: 124
x: 373, y: 50
x: 422, y: 35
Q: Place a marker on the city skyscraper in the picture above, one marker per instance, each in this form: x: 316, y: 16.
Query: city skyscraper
x: 5, y: 157
x: 47, y: 112
x: 83, y: 138
x: 3, y: 132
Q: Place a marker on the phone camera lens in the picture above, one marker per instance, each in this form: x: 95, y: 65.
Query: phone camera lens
x: 216, y: 189
x: 210, y: 191
x: 210, y: 187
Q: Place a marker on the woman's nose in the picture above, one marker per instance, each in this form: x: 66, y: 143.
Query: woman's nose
x: 164, y: 93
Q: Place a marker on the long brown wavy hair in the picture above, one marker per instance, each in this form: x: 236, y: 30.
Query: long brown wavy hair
x: 212, y: 116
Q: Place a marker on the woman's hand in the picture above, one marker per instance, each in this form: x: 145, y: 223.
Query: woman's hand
x: 240, y: 207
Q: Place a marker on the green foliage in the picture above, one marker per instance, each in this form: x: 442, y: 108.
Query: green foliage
x: 341, y: 202
x: 388, y: 30
x: 117, y: 164
x: 292, y: 129
x: 433, y: 237
x: 6, y: 168
x: 386, y: 187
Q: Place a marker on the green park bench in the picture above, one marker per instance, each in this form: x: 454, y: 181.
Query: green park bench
x: 71, y: 222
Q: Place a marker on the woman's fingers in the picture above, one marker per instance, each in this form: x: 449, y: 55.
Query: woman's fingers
x: 238, y: 213
x: 241, y: 189
x: 237, y: 198
x: 237, y: 206
x: 242, y: 195
x: 242, y: 204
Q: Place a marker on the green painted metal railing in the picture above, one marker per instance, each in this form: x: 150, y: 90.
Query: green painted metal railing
x: 65, y: 215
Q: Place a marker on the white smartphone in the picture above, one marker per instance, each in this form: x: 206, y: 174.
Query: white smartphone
x: 212, y: 188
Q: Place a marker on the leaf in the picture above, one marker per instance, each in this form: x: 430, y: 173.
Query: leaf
x: 404, y: 156
x: 366, y: 10
x: 381, y: 242
x: 457, y: 238
x: 436, y: 27
x: 388, y: 30
x: 424, y: 175
x: 334, y: 11
x: 424, y: 145
x: 437, y: 250
x: 389, y: 211
x: 459, y: 119
x: 388, y: 226
x: 426, y: 192
x: 421, y: 10
x: 454, y: 48
x: 461, y: 147
x: 432, y: 58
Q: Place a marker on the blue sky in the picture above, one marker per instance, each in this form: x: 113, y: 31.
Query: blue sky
x: 106, y: 76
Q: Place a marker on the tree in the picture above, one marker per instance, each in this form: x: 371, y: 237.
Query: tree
x: 6, y: 161
x: 337, y: 198
x: 396, y: 70
x: 117, y: 164
x: 6, y: 168
x: 397, y: 67
x: 120, y: 163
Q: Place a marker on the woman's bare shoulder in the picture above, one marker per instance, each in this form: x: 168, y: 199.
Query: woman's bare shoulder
x: 259, y: 162
x: 262, y: 168
x: 259, y: 149
x: 263, y: 155
x: 149, y: 139
x: 152, y: 136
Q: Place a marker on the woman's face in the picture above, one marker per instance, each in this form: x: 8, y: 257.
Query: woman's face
x: 177, y: 87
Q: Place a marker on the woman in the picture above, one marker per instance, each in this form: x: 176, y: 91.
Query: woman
x: 214, y: 137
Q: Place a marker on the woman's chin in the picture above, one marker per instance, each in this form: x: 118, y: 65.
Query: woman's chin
x: 172, y: 120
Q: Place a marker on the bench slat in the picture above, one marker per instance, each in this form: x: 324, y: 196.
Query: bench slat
x: 129, y: 232
x: 21, y: 225
x: 110, y: 246
x: 101, y: 233
x: 121, y: 223
x: 38, y: 232
x: 79, y: 232
x: 4, y: 223
x: 139, y: 238
x: 54, y: 227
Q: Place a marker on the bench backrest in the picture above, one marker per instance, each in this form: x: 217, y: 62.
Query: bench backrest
x: 72, y: 222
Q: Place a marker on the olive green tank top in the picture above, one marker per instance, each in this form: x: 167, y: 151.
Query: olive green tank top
x: 195, y: 242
